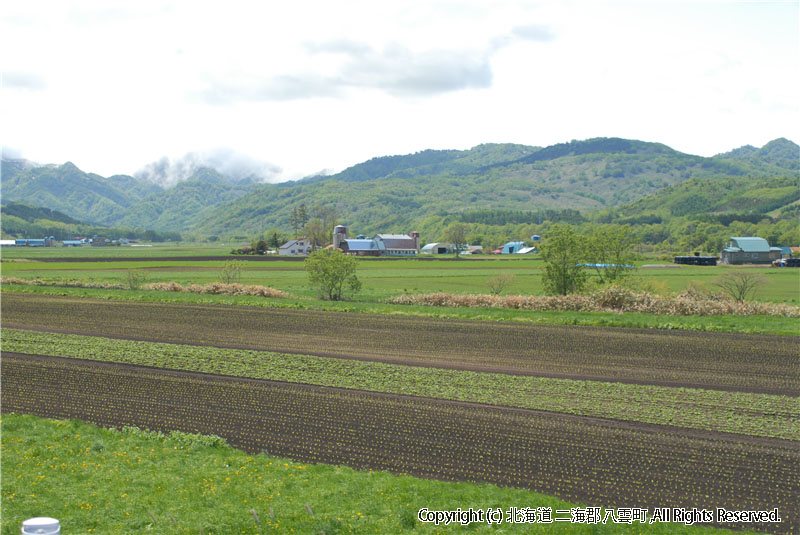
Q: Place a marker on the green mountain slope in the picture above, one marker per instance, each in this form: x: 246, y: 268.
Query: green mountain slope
x: 430, y: 162
x: 396, y: 193
x: 589, y: 175
x: 186, y: 205
x: 737, y: 195
x: 779, y: 152
x: 66, y: 188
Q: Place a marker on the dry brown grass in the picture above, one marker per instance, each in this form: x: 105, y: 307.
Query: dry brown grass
x: 217, y: 288
x: 70, y: 284
x: 611, y: 299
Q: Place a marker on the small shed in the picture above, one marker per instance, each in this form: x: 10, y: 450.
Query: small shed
x: 437, y: 248
x: 513, y: 247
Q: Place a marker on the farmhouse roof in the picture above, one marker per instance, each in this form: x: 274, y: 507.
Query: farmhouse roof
x: 750, y: 244
x: 292, y: 243
x: 397, y: 241
x: 360, y: 245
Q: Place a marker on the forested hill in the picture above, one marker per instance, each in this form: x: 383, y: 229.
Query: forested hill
x: 394, y: 193
x: 26, y: 221
x: 587, y: 176
x: 66, y: 188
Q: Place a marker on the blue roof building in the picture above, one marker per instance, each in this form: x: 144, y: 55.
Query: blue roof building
x: 512, y: 247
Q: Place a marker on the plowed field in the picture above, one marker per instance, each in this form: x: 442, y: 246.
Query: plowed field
x: 747, y: 363
x: 582, y: 459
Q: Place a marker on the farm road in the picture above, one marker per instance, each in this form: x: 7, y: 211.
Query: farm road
x: 748, y: 363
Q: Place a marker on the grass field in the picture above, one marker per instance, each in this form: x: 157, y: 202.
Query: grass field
x: 101, y: 481
x: 381, y: 278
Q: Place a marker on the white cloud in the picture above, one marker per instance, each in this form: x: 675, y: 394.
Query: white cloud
x: 315, y: 85
x: 230, y: 164
x: 25, y: 81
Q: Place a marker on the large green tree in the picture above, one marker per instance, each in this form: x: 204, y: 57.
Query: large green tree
x: 612, y: 249
x: 456, y: 233
x: 331, y: 272
x: 564, y: 253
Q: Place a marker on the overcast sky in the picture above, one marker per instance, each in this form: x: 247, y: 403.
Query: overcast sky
x: 292, y: 88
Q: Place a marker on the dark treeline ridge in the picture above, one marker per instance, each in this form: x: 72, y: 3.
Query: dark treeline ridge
x: 25, y: 221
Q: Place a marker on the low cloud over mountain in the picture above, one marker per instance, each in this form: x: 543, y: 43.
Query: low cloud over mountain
x: 232, y: 165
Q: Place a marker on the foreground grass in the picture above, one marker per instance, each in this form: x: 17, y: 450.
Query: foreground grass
x: 105, y: 481
x: 734, y: 412
x: 731, y: 324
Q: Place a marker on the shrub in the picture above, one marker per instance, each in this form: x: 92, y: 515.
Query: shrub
x: 330, y: 272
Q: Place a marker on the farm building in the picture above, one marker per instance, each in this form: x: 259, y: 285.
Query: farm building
x: 35, y: 242
x: 398, y: 244
x: 360, y: 247
x: 437, y: 248
x: 300, y: 246
x: 513, y: 247
x: 99, y: 241
x: 749, y: 250
x: 380, y: 245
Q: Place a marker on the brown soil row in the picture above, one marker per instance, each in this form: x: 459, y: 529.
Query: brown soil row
x: 589, y: 461
x: 747, y: 363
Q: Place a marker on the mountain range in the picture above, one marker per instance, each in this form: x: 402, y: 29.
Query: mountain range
x: 393, y: 193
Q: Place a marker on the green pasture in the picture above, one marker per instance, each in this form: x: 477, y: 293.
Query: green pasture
x: 105, y: 481
x: 122, y: 251
x: 381, y: 278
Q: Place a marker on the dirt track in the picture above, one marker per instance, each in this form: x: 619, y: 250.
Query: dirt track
x: 591, y: 461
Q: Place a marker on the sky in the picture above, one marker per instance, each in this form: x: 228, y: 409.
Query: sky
x: 285, y: 89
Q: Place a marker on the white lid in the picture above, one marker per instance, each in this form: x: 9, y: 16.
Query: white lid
x: 41, y: 524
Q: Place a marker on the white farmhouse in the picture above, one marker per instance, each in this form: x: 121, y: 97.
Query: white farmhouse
x: 300, y: 246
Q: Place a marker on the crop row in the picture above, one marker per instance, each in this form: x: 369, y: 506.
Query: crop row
x: 737, y: 412
x: 583, y: 460
x: 755, y: 363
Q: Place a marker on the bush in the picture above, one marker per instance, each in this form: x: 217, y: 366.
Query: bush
x: 330, y: 272
x: 231, y: 272
x: 135, y: 278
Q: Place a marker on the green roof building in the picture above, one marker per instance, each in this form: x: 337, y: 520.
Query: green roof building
x: 749, y: 250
